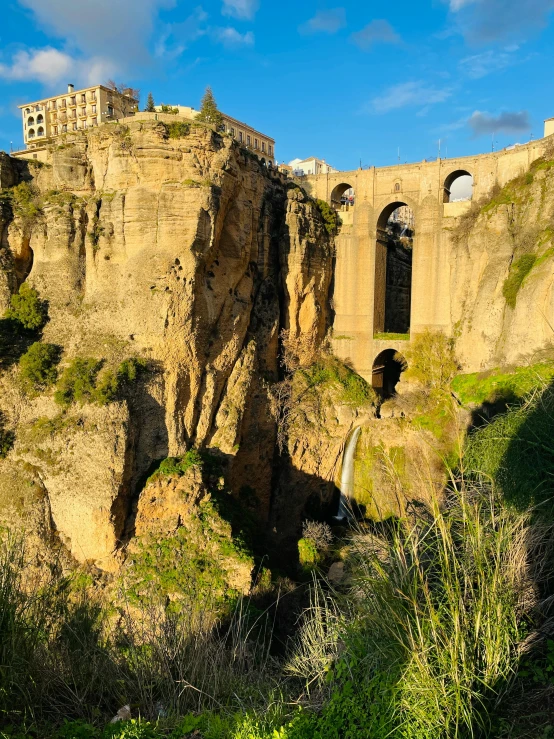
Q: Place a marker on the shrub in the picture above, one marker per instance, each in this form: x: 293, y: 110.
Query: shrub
x: 177, y: 129
x: 28, y: 309
x: 431, y: 359
x: 177, y: 465
x: 308, y: 555
x: 319, y: 532
x: 77, y: 383
x: 111, y: 385
x: 26, y: 203
x: 7, y: 438
x: 518, y: 272
x: 330, y: 216
x: 37, y: 366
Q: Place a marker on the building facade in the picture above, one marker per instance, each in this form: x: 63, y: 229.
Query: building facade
x: 259, y: 143
x: 75, y: 110
x: 312, y: 165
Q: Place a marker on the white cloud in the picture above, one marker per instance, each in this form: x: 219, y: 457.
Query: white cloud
x: 230, y: 37
x: 117, y: 30
x: 506, y: 122
x: 177, y: 37
x: 51, y: 66
x: 325, y: 21
x: 405, y: 94
x: 480, y: 65
x: 456, y: 5
x: 378, y: 31
x: 243, y: 9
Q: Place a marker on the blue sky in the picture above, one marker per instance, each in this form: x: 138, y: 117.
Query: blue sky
x: 347, y: 82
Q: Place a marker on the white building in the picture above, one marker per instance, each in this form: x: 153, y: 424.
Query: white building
x: 312, y: 165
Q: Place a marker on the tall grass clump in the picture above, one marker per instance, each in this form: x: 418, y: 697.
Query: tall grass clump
x: 441, y: 608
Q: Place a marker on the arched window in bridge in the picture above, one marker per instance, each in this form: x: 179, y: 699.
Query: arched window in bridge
x: 387, y: 368
x: 393, y: 270
x: 458, y: 186
x: 397, y: 187
x: 343, y: 197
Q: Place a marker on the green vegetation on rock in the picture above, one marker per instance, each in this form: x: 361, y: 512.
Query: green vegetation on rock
x: 38, y: 366
x: 330, y: 216
x: 27, y: 309
x: 518, y: 272
x: 502, y: 384
x: 81, y: 382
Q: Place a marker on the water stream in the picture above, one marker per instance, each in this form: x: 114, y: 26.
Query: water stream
x: 347, y: 476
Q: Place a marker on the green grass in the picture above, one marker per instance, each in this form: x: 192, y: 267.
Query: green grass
x: 516, y: 451
x: 383, y: 336
x: 499, y: 384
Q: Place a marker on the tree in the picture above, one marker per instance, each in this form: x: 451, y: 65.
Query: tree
x: 150, y: 105
x: 128, y: 102
x: 209, y: 112
x: 28, y: 309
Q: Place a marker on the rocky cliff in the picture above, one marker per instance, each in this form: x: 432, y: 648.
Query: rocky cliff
x: 502, y: 280
x: 173, y: 244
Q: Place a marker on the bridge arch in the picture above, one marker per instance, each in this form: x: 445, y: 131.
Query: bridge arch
x: 458, y: 185
x: 339, y: 193
x: 387, y: 368
x: 393, y: 269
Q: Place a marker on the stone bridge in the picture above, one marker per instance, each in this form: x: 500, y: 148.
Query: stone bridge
x: 360, y: 272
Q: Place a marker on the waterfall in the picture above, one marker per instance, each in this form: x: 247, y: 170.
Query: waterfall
x: 347, y: 476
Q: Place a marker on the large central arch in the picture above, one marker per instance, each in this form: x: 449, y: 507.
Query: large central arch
x: 393, y: 269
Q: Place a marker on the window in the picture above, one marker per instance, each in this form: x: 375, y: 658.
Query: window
x: 93, y: 95
x: 83, y: 111
x: 64, y: 128
x: 72, y: 100
x: 55, y: 130
x: 31, y: 133
x: 232, y: 131
x: 31, y: 121
x: 94, y: 108
x: 74, y: 125
x: 110, y: 109
x: 40, y: 119
x: 240, y: 137
x: 270, y: 150
x: 95, y: 121
x: 397, y: 187
x: 83, y: 98
x: 263, y: 145
x: 248, y: 140
x: 255, y: 143
x: 63, y: 103
x: 27, y: 110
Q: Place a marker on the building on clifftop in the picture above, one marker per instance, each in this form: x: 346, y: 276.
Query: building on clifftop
x: 261, y: 144
x: 311, y: 165
x: 75, y: 110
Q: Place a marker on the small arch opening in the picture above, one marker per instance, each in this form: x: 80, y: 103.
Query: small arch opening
x: 393, y: 270
x: 458, y: 186
x: 30, y: 120
x: 343, y: 197
x: 387, y: 368
x: 40, y: 118
x: 31, y: 133
x: 40, y: 131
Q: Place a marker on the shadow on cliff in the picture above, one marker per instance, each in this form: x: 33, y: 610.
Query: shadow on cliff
x: 516, y: 450
x: 14, y: 341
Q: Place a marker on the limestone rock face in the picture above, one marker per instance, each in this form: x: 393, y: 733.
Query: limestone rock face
x: 492, y: 329
x: 189, y: 253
